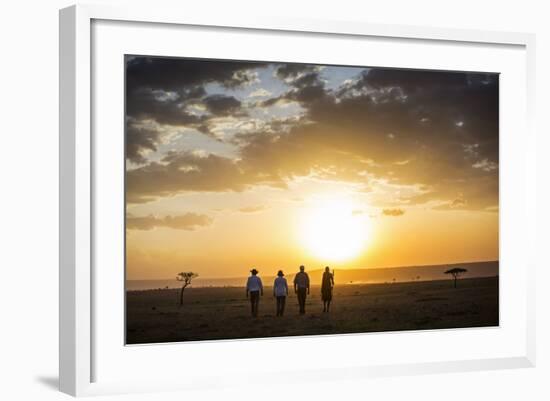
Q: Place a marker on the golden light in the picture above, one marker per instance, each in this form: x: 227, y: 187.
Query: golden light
x: 331, y: 231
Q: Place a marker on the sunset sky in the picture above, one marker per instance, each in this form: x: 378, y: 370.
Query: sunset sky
x: 234, y: 165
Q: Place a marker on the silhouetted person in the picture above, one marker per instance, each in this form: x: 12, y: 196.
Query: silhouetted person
x: 280, y: 292
x: 301, y: 287
x: 255, y: 288
x: 327, y: 284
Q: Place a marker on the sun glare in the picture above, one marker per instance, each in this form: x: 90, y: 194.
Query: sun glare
x: 331, y: 231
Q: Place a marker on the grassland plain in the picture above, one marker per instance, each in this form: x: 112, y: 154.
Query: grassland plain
x: 154, y: 316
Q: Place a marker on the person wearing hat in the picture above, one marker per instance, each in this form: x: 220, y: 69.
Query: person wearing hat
x: 255, y: 288
x: 280, y: 292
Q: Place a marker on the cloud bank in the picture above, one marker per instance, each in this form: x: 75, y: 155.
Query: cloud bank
x: 436, y: 131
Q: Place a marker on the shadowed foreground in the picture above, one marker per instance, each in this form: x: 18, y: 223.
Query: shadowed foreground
x: 153, y: 316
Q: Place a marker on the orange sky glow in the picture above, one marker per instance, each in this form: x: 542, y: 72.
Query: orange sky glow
x: 233, y: 165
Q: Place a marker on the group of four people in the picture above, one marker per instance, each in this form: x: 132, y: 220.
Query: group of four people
x: 255, y: 289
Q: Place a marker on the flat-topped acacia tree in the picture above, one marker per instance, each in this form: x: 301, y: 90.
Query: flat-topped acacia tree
x: 457, y: 271
x: 185, y: 278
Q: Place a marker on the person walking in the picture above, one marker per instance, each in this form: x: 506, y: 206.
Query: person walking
x: 301, y: 287
x: 254, y: 288
x: 280, y: 292
x: 327, y: 284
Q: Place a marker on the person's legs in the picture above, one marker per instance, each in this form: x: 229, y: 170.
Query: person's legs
x: 302, y: 300
x: 254, y: 299
x: 279, y: 306
x: 282, y: 309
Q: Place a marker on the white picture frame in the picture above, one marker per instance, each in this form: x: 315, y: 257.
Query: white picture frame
x: 78, y: 220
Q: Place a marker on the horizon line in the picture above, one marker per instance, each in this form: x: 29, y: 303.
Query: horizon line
x: 349, y: 269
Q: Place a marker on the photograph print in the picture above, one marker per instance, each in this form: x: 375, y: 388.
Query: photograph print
x: 276, y: 199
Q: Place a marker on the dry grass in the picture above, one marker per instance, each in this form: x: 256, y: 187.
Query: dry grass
x: 153, y: 316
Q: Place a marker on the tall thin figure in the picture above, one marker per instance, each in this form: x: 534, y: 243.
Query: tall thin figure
x: 301, y: 288
x: 326, y: 288
x: 255, y: 288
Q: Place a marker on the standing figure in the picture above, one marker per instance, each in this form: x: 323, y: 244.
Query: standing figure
x: 301, y: 287
x: 326, y: 289
x: 255, y: 288
x: 280, y: 292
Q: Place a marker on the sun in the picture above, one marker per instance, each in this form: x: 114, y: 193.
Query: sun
x: 331, y: 231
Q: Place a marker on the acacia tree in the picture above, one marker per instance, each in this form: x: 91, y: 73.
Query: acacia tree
x: 457, y: 271
x: 185, y: 278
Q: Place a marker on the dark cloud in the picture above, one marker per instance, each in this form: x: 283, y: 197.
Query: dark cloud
x: 222, y: 105
x: 183, y: 171
x: 411, y: 80
x: 178, y: 74
x: 306, y: 85
x: 290, y: 72
x: 162, y: 89
x: 187, y: 221
x: 140, y: 140
x: 435, y: 130
x: 161, y: 107
x: 307, y: 94
x: 441, y: 134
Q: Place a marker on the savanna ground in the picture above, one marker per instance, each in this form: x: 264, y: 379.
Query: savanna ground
x: 154, y: 316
